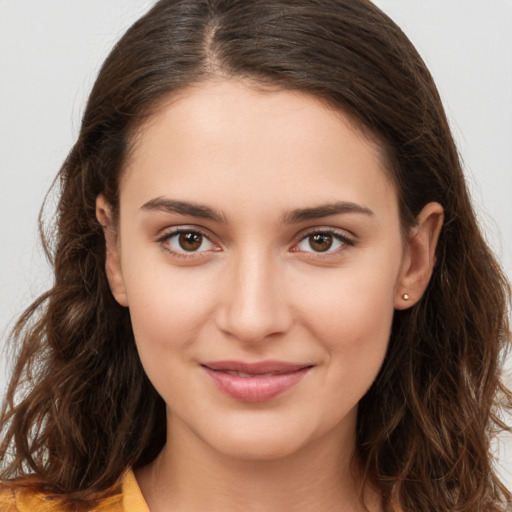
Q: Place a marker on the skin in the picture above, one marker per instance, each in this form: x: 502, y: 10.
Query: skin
x: 257, y: 289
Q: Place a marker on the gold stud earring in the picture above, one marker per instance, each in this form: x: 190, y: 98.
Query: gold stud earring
x: 405, y: 296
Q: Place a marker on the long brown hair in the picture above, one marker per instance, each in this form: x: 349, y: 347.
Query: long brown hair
x: 79, y: 408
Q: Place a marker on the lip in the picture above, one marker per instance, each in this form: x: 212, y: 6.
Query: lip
x: 258, y: 382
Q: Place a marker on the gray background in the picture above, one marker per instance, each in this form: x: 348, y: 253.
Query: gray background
x: 51, y: 50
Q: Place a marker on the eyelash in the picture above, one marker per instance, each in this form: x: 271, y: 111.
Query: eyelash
x: 336, y: 235
x: 167, y: 237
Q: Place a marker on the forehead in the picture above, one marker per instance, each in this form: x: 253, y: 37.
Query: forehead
x: 287, y: 145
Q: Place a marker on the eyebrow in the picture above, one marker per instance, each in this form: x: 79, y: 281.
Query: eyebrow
x: 184, y: 208
x: 324, y: 210
x: 291, y: 217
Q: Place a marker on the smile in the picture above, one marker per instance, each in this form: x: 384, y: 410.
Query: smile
x: 254, y: 382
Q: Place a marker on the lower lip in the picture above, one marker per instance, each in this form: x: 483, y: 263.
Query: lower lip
x: 255, y: 389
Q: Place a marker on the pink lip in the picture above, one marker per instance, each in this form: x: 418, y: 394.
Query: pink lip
x: 267, y: 378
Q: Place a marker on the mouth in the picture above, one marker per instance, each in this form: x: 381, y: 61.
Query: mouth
x: 255, y: 382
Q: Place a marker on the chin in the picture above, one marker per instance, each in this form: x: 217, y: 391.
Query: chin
x: 262, y: 438
x: 258, y: 448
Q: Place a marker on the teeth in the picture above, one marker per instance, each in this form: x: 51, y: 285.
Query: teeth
x: 242, y: 374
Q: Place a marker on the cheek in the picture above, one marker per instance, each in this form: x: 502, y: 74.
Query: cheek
x: 351, y: 316
x: 354, y: 300
x: 168, y: 314
x: 355, y: 338
x: 356, y: 334
x: 168, y: 306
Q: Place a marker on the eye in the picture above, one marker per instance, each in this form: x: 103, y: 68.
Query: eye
x: 324, y: 241
x: 184, y: 242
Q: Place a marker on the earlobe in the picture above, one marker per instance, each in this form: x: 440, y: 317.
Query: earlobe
x: 419, y: 263
x: 113, y: 267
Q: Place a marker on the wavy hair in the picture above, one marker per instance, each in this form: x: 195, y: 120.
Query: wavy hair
x: 79, y: 408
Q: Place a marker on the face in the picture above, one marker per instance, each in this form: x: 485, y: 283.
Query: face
x: 259, y: 252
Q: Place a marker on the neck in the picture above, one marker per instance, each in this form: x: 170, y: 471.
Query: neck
x: 191, y: 476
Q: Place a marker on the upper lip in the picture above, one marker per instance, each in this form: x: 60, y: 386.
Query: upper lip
x: 258, y: 368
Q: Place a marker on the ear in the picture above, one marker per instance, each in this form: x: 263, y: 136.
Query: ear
x: 113, y: 267
x: 420, y: 256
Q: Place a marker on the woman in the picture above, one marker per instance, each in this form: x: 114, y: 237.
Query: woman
x: 270, y: 287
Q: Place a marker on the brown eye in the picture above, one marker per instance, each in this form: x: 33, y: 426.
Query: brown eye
x: 328, y: 242
x: 320, y: 242
x: 190, y: 241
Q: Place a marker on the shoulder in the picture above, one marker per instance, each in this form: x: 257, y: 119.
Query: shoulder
x: 24, y: 496
x: 7, y: 499
x: 27, y: 499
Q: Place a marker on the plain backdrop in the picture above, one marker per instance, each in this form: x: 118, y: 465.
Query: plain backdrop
x: 51, y: 50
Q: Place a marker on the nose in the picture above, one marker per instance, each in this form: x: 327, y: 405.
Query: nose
x: 254, y: 305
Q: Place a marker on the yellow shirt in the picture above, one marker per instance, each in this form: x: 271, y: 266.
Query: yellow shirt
x: 24, y: 500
